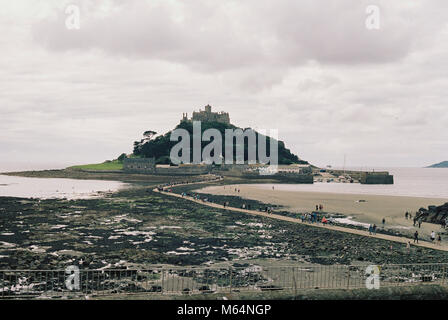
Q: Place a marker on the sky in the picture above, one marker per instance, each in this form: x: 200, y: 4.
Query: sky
x: 333, y: 77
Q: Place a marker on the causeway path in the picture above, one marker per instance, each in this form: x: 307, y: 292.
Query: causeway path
x: 403, y: 240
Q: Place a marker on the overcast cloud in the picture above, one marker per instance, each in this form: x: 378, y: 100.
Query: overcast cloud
x: 309, y: 68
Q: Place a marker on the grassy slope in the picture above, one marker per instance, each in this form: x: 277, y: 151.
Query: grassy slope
x: 105, y: 166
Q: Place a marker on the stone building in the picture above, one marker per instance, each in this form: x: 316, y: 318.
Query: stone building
x: 295, y: 168
x: 148, y: 166
x: 207, y: 115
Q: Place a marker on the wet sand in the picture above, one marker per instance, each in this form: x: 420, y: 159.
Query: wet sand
x: 373, y: 210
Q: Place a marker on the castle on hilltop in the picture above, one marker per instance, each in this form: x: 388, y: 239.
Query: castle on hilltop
x: 207, y: 116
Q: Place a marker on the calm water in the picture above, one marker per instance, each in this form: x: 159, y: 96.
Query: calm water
x: 414, y: 182
x: 55, y: 188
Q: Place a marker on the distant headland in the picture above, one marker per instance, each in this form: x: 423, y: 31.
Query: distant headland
x: 443, y: 164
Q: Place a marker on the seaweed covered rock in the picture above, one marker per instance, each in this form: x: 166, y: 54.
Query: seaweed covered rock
x: 434, y: 214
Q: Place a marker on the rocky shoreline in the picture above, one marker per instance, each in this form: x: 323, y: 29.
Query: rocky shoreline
x: 434, y: 214
x: 238, y: 202
x: 138, y: 227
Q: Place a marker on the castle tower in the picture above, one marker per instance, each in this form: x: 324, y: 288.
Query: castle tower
x: 207, y: 115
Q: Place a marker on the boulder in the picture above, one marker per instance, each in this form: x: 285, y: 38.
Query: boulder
x: 434, y: 214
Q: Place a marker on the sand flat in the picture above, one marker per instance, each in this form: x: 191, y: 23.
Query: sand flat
x: 373, y: 210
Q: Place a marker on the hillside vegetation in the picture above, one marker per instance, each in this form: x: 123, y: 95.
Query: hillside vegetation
x: 160, y: 146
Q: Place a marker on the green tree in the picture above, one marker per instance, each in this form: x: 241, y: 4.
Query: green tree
x: 122, y: 157
x: 160, y: 147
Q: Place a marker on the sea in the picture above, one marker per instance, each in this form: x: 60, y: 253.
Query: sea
x: 52, y: 188
x: 412, y: 182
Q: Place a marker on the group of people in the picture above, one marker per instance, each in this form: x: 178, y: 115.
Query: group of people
x: 408, y: 215
x: 416, y: 221
x: 314, y: 217
x: 192, y: 195
x: 167, y: 186
x: 432, y: 237
x: 266, y: 209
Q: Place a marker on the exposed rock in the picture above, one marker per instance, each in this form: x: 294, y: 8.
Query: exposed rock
x: 434, y: 214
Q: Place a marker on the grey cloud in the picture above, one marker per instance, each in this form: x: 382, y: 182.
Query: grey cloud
x: 241, y: 34
x: 307, y: 68
x: 204, y: 39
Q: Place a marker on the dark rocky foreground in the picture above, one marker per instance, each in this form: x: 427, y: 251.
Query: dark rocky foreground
x: 420, y: 292
x: 137, y: 227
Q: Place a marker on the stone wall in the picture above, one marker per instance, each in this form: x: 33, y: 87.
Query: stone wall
x: 184, y: 170
x: 148, y: 166
x: 281, y: 177
x: 376, y: 178
x: 235, y: 170
x: 139, y: 165
x: 364, y: 177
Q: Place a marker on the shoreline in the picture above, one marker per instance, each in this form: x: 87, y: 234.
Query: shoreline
x: 373, y: 210
x: 398, y: 239
x: 266, y: 186
x: 130, y: 227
